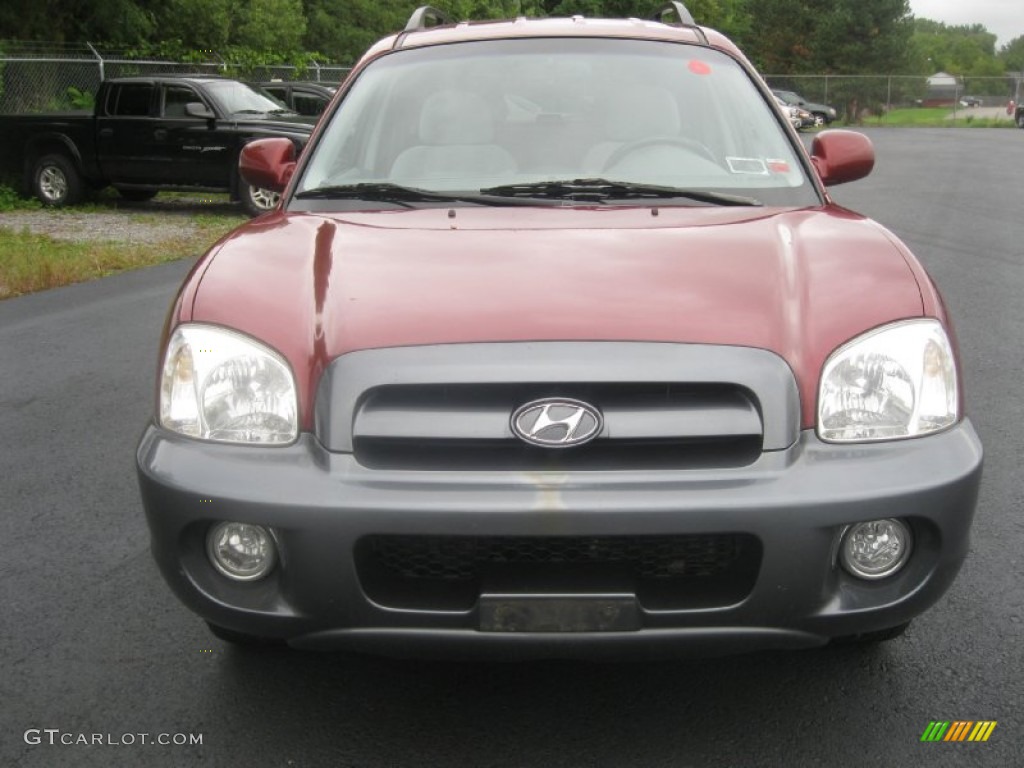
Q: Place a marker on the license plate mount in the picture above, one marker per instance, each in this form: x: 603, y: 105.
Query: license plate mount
x: 559, y: 613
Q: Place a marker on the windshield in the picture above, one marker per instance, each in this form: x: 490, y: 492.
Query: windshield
x: 498, y: 115
x: 234, y: 97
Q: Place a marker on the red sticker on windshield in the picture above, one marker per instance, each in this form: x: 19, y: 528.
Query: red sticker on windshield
x: 699, y: 67
x: 777, y: 166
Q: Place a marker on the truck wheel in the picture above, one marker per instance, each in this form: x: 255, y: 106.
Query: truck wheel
x: 819, y: 119
x: 136, y: 195
x: 256, y: 200
x: 1020, y: 119
x: 56, y: 182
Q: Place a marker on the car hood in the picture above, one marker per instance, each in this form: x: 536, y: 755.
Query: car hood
x: 275, y: 125
x: 796, y: 282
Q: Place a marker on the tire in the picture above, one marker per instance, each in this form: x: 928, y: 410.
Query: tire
x: 1020, y: 119
x: 241, y: 638
x: 872, y: 638
x: 136, y: 195
x: 257, y: 201
x: 56, y: 181
x: 819, y: 119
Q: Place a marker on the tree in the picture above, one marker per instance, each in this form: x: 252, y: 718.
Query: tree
x: 960, y: 50
x: 829, y: 36
x: 200, y: 24
x: 1012, y: 55
x: 271, y: 25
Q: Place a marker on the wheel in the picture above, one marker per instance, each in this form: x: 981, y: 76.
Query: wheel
x: 819, y: 119
x: 1020, y: 119
x: 136, y: 195
x: 56, y: 181
x: 242, y: 638
x: 690, y: 145
x: 256, y: 200
x: 872, y: 638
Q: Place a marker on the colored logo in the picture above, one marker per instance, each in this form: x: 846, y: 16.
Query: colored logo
x: 958, y: 730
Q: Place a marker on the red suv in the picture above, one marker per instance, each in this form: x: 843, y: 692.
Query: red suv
x: 557, y: 345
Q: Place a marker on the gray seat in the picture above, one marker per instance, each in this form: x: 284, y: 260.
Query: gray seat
x: 456, y: 134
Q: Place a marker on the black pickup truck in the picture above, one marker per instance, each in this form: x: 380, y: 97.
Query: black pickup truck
x: 146, y: 135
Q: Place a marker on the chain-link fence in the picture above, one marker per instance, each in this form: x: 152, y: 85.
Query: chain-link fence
x: 863, y: 98
x: 51, y: 78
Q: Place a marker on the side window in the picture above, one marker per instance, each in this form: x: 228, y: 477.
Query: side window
x: 307, y: 104
x: 175, y: 99
x: 281, y: 94
x: 130, y: 100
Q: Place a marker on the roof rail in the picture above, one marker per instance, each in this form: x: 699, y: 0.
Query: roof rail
x: 424, y: 14
x: 684, y: 16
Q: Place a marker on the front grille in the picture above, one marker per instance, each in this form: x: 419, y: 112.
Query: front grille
x: 647, y: 426
x: 695, y: 570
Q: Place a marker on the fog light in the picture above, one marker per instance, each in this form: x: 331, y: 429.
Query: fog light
x: 240, y: 551
x: 876, y: 549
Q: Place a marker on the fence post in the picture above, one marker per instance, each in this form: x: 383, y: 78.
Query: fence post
x: 99, y: 59
x: 888, y: 94
x: 316, y: 66
x: 826, y: 90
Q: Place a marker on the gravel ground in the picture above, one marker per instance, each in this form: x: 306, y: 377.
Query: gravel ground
x: 155, y: 221
x: 116, y: 227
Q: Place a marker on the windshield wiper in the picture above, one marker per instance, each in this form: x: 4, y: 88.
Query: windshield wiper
x: 396, y: 193
x: 601, y: 190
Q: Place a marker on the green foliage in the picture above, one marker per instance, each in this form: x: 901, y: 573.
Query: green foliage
x: 269, y: 25
x: 959, y: 50
x: 1012, y: 55
x: 81, y: 99
x: 10, y: 200
x: 780, y: 36
x: 838, y: 36
x: 205, y: 24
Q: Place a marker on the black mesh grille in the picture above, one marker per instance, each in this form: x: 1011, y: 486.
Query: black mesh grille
x: 457, y: 558
x: 664, y: 572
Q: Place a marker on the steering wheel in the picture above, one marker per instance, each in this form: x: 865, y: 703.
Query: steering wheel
x: 690, y: 145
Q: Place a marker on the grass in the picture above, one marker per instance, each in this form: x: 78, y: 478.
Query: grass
x: 938, y: 117
x: 35, y: 262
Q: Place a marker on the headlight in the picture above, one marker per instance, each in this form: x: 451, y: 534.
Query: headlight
x: 894, y: 382
x: 221, y: 385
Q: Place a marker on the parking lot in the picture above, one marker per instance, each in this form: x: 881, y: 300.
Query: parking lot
x: 94, y: 643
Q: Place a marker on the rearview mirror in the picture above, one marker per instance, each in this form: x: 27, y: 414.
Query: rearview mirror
x: 268, y: 163
x: 840, y: 156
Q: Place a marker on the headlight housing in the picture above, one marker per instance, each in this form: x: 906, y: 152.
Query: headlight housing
x: 219, y: 385
x: 894, y: 382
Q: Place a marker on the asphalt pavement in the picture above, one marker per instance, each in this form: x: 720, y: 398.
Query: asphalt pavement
x: 94, y: 647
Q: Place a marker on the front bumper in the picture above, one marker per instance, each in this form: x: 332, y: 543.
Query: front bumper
x: 794, y: 502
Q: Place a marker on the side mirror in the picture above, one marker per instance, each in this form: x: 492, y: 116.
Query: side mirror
x: 268, y: 163
x: 198, y: 109
x: 840, y: 156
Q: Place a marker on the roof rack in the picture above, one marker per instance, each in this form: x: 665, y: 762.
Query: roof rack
x: 684, y: 16
x: 424, y: 14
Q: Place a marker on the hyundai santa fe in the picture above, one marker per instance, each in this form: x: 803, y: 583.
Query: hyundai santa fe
x: 557, y: 345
